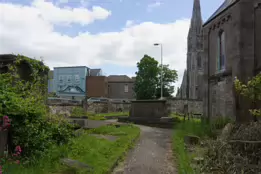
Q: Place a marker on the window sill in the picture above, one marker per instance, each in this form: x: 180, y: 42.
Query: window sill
x: 220, y: 74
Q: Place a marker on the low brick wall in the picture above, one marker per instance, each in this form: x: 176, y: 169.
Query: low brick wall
x: 179, y: 106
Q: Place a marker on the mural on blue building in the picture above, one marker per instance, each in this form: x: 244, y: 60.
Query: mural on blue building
x: 70, y: 81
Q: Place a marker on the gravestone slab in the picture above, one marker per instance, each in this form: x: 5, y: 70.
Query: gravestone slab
x: 75, y: 164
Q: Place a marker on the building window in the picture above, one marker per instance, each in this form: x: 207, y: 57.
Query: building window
x: 69, y: 78
x: 77, y: 78
x: 126, y: 88
x: 60, y: 79
x: 221, y: 51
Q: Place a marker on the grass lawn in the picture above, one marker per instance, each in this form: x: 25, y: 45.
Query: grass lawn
x: 181, y: 118
x: 197, y: 128
x: 103, y: 116
x: 188, y: 127
x: 100, y: 154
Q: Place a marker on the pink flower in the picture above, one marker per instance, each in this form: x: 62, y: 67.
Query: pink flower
x: 18, y: 149
x: 6, y: 117
x: 17, y: 162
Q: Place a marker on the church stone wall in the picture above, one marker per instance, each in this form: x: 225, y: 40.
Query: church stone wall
x: 220, y: 98
x: 257, y: 18
x: 177, y: 106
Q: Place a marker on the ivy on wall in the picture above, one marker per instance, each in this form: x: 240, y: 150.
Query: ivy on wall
x: 23, y: 92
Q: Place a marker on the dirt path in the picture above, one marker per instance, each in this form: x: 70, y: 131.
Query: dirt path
x: 151, y: 155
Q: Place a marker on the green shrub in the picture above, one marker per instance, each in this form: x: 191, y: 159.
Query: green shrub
x: 24, y: 103
x: 78, y: 111
x: 220, y: 122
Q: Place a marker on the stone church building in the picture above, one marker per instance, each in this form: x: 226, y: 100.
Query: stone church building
x: 191, y: 87
x: 231, y: 48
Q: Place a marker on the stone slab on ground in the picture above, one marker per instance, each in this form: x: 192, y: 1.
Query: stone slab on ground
x: 75, y: 164
x: 151, y: 155
x: 107, y: 137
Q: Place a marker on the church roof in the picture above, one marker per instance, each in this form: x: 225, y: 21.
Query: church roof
x: 226, y: 4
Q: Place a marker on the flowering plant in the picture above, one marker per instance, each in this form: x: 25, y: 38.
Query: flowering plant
x: 6, y: 123
x: 14, y: 157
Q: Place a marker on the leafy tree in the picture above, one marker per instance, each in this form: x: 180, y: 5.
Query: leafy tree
x: 169, y: 77
x: 251, y: 90
x: 146, y: 78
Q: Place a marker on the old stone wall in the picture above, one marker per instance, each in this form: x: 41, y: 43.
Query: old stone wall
x: 62, y: 101
x: 61, y: 110
x: 179, y: 106
x: 149, y: 109
x: 221, y: 98
x: 104, y: 107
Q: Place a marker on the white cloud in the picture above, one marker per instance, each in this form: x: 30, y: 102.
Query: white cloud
x: 129, y: 23
x: 153, y: 5
x: 56, y: 15
x: 29, y: 30
x: 63, y: 1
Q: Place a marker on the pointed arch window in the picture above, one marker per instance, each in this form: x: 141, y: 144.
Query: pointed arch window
x: 221, y: 58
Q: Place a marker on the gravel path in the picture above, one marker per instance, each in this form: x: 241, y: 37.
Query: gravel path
x: 151, y: 155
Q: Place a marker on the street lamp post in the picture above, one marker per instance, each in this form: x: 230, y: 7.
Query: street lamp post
x: 161, y: 76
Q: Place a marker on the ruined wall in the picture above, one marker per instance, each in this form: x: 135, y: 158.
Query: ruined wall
x: 178, y: 105
x: 61, y: 110
x: 104, y: 107
x: 62, y: 106
x: 62, y: 101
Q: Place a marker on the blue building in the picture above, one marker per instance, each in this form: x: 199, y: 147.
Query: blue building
x: 69, y: 82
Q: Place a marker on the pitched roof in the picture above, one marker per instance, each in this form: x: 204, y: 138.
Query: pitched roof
x: 120, y: 78
x: 223, y: 7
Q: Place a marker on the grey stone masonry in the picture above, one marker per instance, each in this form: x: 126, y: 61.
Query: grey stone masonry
x: 239, y: 22
x: 191, y: 87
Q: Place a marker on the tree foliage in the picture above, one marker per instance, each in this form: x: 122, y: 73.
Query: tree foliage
x: 23, y: 101
x: 148, y: 79
x: 251, y: 90
x: 169, y: 77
